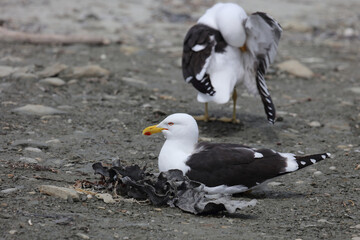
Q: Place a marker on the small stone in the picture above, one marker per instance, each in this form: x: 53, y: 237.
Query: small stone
x: 274, y: 184
x: 90, y: 71
x: 332, y: 168
x: 315, y: 124
x: 82, y: 236
x: 318, y: 173
x: 129, y: 50
x: 53, y: 141
x: 355, y: 238
x: 60, y: 192
x: 106, y: 197
x: 33, y: 149
x: 39, y: 110
x: 12, y: 232
x: 134, y: 81
x: 356, y: 226
x: 296, y: 68
x: 52, y: 70
x: 56, y: 82
x: 6, y: 71
x: 9, y: 190
x: 72, y: 81
x: 28, y: 160
x: 355, y: 90
x: 30, y: 143
x: 21, y: 76
x: 299, y: 182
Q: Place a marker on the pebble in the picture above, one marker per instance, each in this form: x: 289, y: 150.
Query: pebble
x: 28, y: 160
x: 129, y: 50
x: 106, y: 197
x: 296, y: 68
x: 299, y: 182
x: 90, y: 71
x: 33, y: 149
x: 317, y: 173
x: 6, y: 71
x: 133, y: 80
x: 332, y: 168
x: 38, y: 110
x: 9, y: 190
x: 53, y: 141
x: 56, y: 82
x: 356, y: 226
x: 274, y: 184
x: 30, y: 143
x: 23, y: 76
x: 355, y: 90
x: 12, y: 232
x: 315, y: 124
x: 355, y: 238
x: 52, y: 70
x: 82, y: 236
x: 61, y: 192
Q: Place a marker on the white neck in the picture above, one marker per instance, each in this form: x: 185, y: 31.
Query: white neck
x: 174, y: 154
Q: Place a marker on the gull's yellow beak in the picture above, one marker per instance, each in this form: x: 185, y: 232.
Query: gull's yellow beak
x: 152, y: 129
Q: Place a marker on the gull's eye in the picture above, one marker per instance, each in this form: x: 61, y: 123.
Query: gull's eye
x: 170, y: 123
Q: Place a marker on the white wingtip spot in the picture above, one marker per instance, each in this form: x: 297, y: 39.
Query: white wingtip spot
x: 328, y: 154
x: 258, y: 155
x: 302, y: 162
x: 313, y: 160
x: 323, y: 156
x: 188, y: 79
x: 198, y: 48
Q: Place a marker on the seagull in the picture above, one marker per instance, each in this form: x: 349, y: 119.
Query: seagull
x: 224, y: 168
x: 225, y: 48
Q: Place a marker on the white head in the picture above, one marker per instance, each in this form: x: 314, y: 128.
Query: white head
x: 178, y: 126
x: 229, y: 19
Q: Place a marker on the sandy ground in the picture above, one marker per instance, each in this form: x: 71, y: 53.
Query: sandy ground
x: 104, y: 112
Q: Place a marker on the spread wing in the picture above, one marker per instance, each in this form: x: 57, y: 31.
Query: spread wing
x: 263, y: 34
x: 200, y: 43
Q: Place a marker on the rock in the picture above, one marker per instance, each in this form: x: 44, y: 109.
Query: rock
x: 28, y: 160
x: 355, y: 90
x: 82, y: 236
x: 90, y: 71
x: 21, y: 76
x: 355, y: 238
x: 33, y: 149
x: 274, y: 184
x: 12, y: 232
x: 296, y: 68
x: 314, y: 124
x: 133, y: 80
x: 129, y: 50
x: 53, y: 141
x: 106, y: 197
x: 61, y: 192
x: 356, y: 226
x: 332, y: 168
x: 317, y: 173
x: 6, y: 71
x: 52, y: 70
x: 297, y: 26
x: 56, y: 82
x: 9, y: 190
x: 30, y: 143
x: 39, y: 110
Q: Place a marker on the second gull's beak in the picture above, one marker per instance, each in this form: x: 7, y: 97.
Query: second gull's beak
x: 152, y: 129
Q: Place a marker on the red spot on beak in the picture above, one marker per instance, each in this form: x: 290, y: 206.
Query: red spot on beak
x: 147, y: 133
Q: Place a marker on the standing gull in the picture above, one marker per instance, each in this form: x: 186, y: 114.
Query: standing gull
x: 225, y: 48
x: 221, y: 167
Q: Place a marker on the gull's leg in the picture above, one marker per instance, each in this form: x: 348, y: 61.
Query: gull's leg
x: 204, y: 117
x: 233, y: 119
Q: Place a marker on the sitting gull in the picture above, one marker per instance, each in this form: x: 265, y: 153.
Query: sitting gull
x: 222, y: 167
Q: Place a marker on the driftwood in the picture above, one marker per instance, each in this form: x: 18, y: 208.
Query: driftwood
x: 7, y: 35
